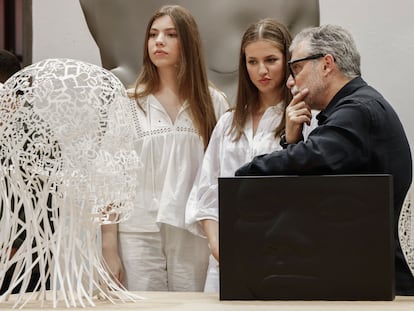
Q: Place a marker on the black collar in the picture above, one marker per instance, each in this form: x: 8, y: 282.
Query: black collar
x: 346, y: 90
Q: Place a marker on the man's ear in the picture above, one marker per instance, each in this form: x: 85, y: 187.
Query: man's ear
x: 328, y: 63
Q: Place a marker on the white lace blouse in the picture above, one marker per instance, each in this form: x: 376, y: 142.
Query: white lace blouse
x: 171, y: 154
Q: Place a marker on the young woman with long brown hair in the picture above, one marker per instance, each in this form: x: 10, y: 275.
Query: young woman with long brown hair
x: 174, y: 109
x: 253, y: 127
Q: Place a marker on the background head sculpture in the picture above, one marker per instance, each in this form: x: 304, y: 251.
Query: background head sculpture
x: 118, y: 30
x: 67, y: 167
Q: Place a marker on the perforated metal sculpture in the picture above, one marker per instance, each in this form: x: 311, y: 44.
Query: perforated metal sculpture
x: 67, y: 167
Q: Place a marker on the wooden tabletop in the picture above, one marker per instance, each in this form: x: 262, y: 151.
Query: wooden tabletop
x: 183, y: 301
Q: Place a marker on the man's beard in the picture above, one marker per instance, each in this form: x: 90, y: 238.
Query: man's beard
x: 315, y: 89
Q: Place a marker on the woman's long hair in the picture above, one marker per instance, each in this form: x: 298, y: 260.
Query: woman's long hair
x: 247, y: 100
x: 193, y: 84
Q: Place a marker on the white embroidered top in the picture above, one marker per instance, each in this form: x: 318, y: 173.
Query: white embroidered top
x: 224, y: 156
x: 171, y: 154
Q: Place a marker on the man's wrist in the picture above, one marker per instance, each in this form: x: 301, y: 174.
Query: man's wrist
x: 283, y: 143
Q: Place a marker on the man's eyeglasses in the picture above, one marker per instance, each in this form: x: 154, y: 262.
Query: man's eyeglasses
x: 294, y: 69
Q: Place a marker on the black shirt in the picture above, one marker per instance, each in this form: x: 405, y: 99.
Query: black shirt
x: 358, y: 132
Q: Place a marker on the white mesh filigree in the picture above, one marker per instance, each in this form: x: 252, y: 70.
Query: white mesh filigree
x: 67, y: 167
x: 406, y: 231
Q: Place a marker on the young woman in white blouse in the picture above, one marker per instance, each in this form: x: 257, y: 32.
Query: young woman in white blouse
x: 174, y: 111
x: 252, y: 128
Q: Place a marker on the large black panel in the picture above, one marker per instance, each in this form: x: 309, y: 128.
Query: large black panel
x: 306, y: 237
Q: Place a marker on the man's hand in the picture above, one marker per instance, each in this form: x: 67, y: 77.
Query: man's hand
x: 297, y: 113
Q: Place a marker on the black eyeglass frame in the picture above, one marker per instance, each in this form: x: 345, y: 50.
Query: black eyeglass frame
x: 311, y: 57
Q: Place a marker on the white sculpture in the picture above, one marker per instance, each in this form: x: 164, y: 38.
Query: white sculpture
x: 406, y: 231
x: 67, y: 167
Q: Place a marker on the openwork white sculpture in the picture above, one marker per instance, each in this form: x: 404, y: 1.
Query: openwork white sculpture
x: 406, y: 231
x: 67, y: 167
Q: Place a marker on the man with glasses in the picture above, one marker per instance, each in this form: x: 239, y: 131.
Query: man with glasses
x: 358, y: 131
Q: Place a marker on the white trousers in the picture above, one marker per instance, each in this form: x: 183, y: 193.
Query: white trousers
x: 170, y: 260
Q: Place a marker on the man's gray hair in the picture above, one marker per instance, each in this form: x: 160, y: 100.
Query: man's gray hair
x: 334, y: 40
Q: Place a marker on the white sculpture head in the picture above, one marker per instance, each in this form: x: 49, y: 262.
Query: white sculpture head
x: 67, y: 167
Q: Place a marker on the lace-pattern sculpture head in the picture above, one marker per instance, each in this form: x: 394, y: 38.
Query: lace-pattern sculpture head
x: 67, y: 167
x: 406, y: 231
